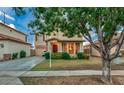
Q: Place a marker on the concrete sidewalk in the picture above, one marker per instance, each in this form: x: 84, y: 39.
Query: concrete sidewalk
x: 10, y: 81
x: 12, y: 77
x: 56, y: 73
x: 69, y: 73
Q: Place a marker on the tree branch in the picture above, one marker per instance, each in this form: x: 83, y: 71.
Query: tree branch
x: 89, y: 37
x: 119, y: 44
x: 117, y: 41
x: 100, y: 38
x: 92, y: 43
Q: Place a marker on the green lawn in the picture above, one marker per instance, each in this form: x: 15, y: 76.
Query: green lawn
x: 74, y: 64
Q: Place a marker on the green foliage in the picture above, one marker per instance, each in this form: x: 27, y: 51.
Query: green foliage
x: 19, y: 11
x: 47, y: 55
x: 78, y: 21
x: 22, y: 54
x: 80, y: 55
x: 14, y: 55
x: 56, y: 55
x: 53, y: 55
x: 86, y: 56
x: 65, y: 55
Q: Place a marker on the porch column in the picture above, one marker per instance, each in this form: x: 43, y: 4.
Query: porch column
x: 49, y: 45
x: 67, y: 47
x: 74, y: 48
x: 81, y: 47
x: 60, y: 47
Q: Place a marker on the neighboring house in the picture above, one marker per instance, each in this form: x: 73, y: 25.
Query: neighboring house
x: 57, y: 42
x: 88, y: 49
x: 12, y: 41
x: 122, y: 49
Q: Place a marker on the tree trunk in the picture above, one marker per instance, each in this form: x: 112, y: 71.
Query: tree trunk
x: 106, y: 71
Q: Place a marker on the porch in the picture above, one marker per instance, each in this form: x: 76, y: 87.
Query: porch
x: 66, y: 46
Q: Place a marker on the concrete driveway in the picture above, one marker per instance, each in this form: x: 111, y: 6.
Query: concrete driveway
x: 11, y: 70
x: 20, y: 64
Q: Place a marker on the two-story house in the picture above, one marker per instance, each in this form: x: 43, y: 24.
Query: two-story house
x: 12, y: 41
x: 58, y: 42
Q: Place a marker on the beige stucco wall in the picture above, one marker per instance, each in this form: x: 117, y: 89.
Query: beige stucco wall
x: 39, y: 52
x: 39, y: 42
x: 6, y: 31
x: 3, y: 50
x: 122, y: 47
x: 95, y: 52
x: 13, y: 47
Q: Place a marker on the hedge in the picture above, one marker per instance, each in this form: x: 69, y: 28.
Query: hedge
x: 14, y: 55
x: 66, y: 55
x: 81, y: 55
x: 22, y: 54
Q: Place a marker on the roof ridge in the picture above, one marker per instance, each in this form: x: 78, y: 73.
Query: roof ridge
x: 13, y: 28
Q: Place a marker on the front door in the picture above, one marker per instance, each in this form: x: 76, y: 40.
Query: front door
x: 55, y: 48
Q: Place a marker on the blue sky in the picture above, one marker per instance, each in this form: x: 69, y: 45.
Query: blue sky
x: 20, y: 22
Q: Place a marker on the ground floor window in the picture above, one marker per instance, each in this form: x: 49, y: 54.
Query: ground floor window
x: 71, y: 47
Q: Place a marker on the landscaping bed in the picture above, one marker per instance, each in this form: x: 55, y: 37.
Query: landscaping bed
x: 70, y: 80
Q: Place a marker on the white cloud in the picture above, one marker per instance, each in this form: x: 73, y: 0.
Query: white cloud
x: 7, y: 16
x: 1, y: 21
x: 12, y: 25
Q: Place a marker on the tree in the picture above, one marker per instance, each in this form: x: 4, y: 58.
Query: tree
x: 104, y: 22
x: 19, y: 11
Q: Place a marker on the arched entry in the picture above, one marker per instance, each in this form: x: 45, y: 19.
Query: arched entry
x: 55, y: 48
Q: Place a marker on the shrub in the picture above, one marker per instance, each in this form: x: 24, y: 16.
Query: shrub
x: 86, y: 56
x: 56, y: 55
x: 14, y: 55
x: 47, y: 55
x: 22, y: 54
x: 80, y: 55
x: 65, y: 55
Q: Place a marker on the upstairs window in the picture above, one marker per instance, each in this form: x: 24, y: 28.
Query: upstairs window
x: 1, y: 45
x: 10, y: 30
